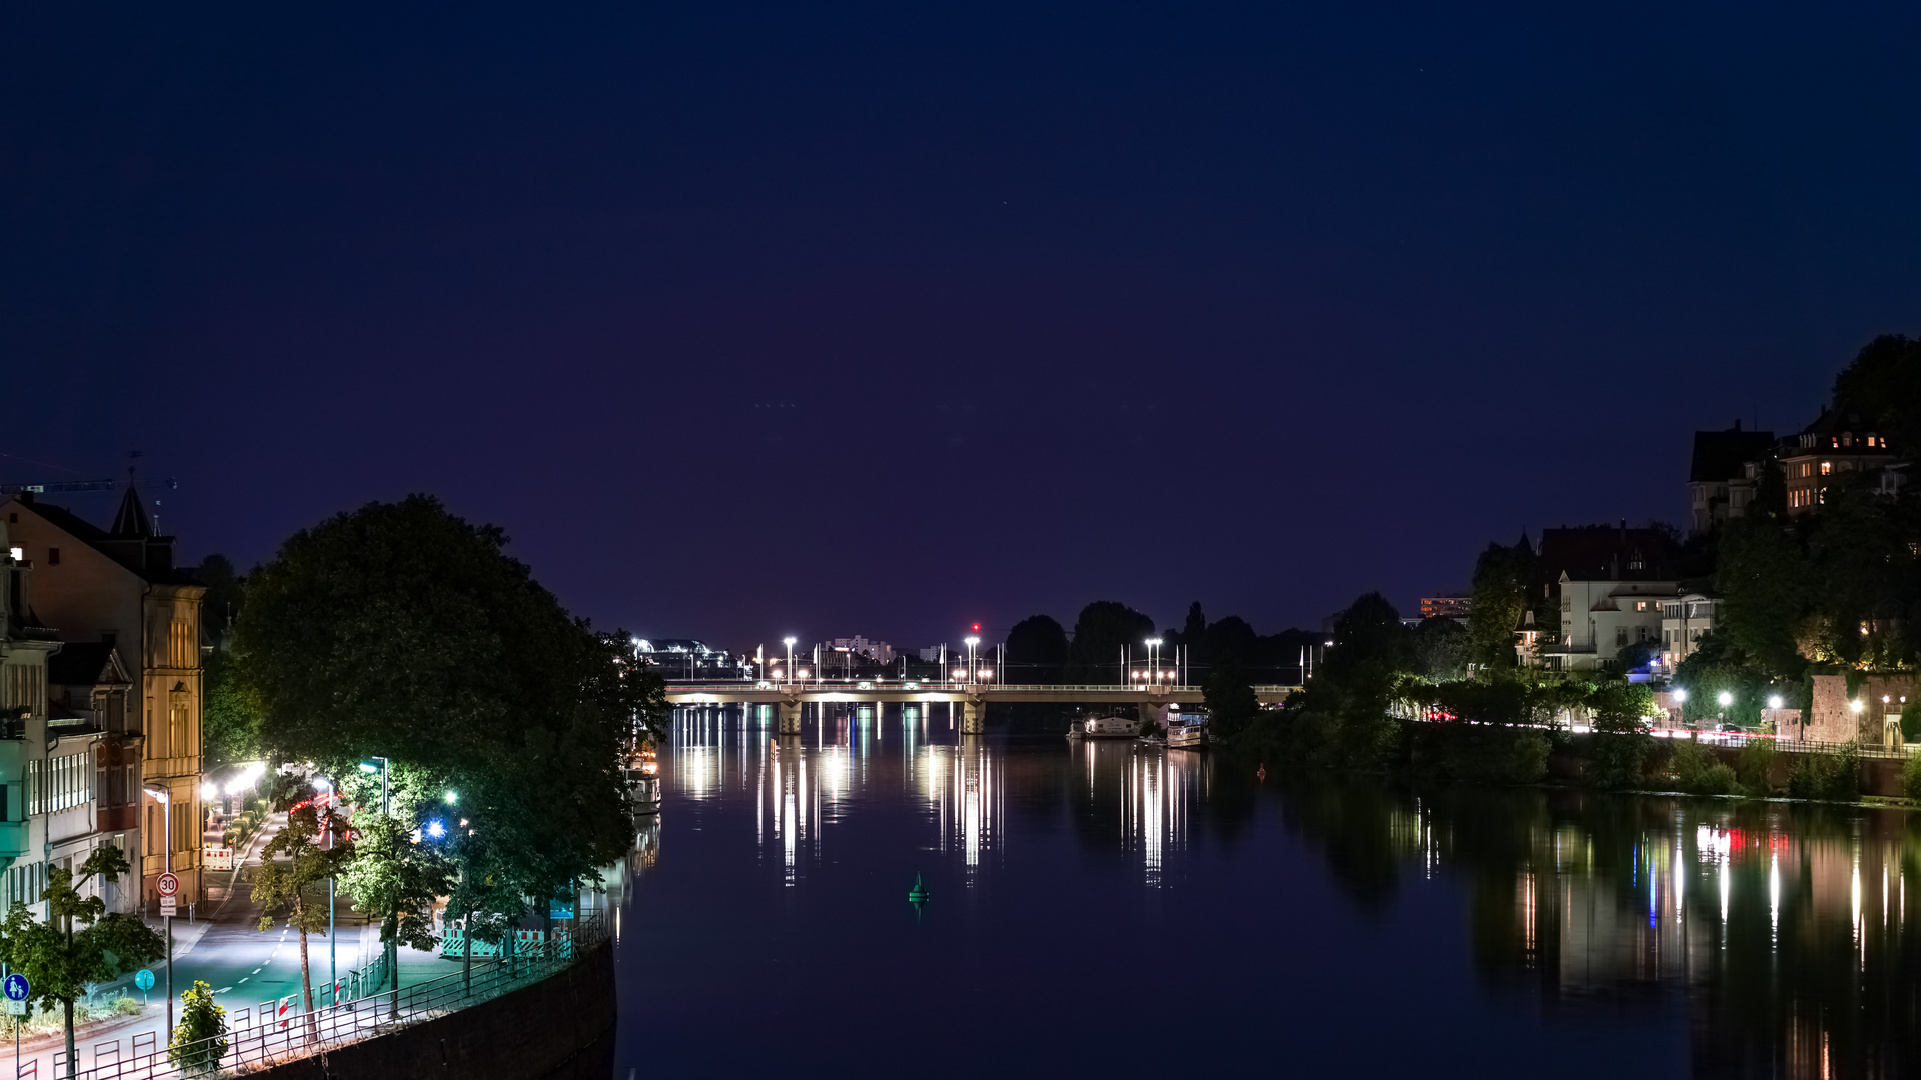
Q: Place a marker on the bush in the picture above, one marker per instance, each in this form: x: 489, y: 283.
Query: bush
x: 200, y: 1020
x: 1615, y: 761
x: 1528, y: 760
x: 1826, y: 776
x: 1755, y: 767
x: 1698, y: 772
x: 1911, y: 778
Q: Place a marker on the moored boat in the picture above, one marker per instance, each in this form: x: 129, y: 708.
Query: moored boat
x: 1187, y: 736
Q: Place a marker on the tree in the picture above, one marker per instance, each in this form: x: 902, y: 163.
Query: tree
x: 80, y: 943
x: 396, y: 880
x: 1764, y: 579
x: 1503, y: 577
x: 1102, y: 629
x: 199, y: 1039
x: 1231, y: 703
x: 1441, y: 649
x: 404, y: 632
x: 230, y: 716
x: 1036, y: 650
x: 283, y: 888
x: 1883, y: 387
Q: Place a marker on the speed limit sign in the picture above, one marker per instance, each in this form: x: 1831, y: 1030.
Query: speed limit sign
x: 167, y: 885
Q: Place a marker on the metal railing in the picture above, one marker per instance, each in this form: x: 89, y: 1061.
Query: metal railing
x: 836, y: 686
x: 270, y: 1041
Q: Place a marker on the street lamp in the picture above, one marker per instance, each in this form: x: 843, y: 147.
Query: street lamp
x: 971, y: 642
x: 160, y: 794
x: 1154, y: 659
x: 790, y: 652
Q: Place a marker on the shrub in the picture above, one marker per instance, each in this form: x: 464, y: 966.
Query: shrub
x: 1755, y: 767
x: 1697, y: 771
x: 1826, y: 776
x: 197, y: 1047
x: 1911, y: 778
x: 1528, y: 759
x: 1615, y: 761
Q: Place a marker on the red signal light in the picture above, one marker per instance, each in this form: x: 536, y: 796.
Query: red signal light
x: 977, y: 627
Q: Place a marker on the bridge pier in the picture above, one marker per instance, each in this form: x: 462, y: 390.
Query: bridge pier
x: 973, y: 716
x: 790, y: 718
x: 1153, y: 715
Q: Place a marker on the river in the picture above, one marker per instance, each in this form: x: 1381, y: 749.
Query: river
x: 1113, y: 909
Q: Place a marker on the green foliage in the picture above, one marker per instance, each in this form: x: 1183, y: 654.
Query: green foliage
x: 285, y: 888
x: 1883, y: 387
x: 1503, y: 577
x: 1441, y: 650
x: 1615, y: 761
x: 1620, y: 707
x: 1231, y: 703
x: 1036, y: 650
x: 1755, y: 766
x: 230, y: 716
x: 80, y: 943
x: 1103, y: 628
x: 1716, y: 666
x: 1764, y: 577
x: 1698, y: 771
x: 1911, y: 721
x: 1499, y: 701
x: 402, y: 631
x: 199, y: 1038
x: 397, y: 880
x: 1528, y: 759
x: 1476, y: 753
x: 1826, y: 776
x: 1911, y: 777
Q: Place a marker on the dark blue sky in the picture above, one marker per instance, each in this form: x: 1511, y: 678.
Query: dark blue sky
x: 883, y: 319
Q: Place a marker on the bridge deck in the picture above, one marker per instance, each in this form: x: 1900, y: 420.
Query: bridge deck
x: 876, y: 691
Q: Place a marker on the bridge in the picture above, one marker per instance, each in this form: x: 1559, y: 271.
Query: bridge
x: 972, y: 697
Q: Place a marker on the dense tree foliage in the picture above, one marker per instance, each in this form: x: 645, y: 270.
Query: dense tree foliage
x: 402, y: 632
x: 1102, y: 629
x: 1036, y: 651
x: 1883, y: 387
x: 81, y: 943
x: 1503, y: 579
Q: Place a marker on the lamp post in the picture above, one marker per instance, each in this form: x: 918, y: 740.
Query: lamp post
x: 333, y: 958
x: 160, y: 794
x: 971, y: 643
x: 790, y: 657
x: 1154, y: 660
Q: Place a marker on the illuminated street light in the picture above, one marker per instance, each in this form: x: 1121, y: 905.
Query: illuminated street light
x: 1856, y: 705
x: 972, y: 674
x: 1680, y: 695
x: 1774, y: 702
x: 1725, y: 698
x: 790, y: 652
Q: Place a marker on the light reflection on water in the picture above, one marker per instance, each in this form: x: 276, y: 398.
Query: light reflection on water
x: 1773, y: 936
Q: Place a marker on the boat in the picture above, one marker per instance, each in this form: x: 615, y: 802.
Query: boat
x: 643, y: 786
x: 1106, y: 727
x: 1187, y: 736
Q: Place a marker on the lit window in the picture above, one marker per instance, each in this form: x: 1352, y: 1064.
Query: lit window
x: 1827, y: 467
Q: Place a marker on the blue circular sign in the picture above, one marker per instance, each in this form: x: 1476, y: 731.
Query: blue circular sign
x: 17, y: 987
x: 144, y: 980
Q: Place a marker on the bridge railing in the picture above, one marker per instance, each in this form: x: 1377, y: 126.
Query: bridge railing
x: 837, y: 686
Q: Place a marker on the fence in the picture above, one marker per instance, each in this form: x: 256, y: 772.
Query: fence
x: 271, y: 1040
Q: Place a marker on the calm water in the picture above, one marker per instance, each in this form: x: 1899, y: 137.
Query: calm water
x: 1111, y: 909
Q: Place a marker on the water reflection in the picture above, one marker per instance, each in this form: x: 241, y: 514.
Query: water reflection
x: 1778, y: 930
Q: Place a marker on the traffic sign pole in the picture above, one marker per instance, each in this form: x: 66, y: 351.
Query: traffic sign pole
x: 17, y: 988
x: 168, y: 886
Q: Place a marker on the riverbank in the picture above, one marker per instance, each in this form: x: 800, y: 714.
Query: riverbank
x: 1527, y: 755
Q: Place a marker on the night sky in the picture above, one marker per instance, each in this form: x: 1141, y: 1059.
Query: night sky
x: 834, y: 319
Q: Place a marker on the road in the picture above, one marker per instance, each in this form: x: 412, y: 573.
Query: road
x: 247, y: 968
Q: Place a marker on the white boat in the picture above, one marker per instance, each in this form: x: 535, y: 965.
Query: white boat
x: 1108, y: 727
x: 643, y: 790
x: 1186, y: 736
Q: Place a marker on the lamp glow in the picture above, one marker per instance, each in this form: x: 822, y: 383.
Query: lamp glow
x: 1725, y: 699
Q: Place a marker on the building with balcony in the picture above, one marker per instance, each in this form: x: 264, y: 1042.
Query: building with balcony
x: 1723, y: 474
x: 1835, y: 445
x: 118, y: 587
x: 1685, y: 620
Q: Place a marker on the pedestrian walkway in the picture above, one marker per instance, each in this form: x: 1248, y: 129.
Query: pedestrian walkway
x: 251, y: 970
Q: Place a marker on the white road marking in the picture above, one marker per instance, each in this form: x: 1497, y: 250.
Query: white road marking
x: 241, y: 981
x: 225, y: 989
x: 256, y: 971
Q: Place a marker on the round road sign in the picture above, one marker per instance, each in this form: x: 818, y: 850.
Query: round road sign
x: 17, y: 987
x: 144, y: 980
x: 168, y: 885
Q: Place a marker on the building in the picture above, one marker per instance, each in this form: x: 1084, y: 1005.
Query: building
x: 118, y: 587
x: 63, y: 775
x: 873, y: 650
x: 1723, y: 474
x: 690, y: 658
x: 1609, y: 584
x: 1447, y: 606
x: 1685, y: 620
x: 1835, y: 444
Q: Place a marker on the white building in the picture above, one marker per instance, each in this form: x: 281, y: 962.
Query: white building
x: 873, y: 650
x: 1684, y: 621
x: 1600, y: 618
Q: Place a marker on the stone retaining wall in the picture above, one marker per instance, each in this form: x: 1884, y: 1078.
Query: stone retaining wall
x: 560, y: 1028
